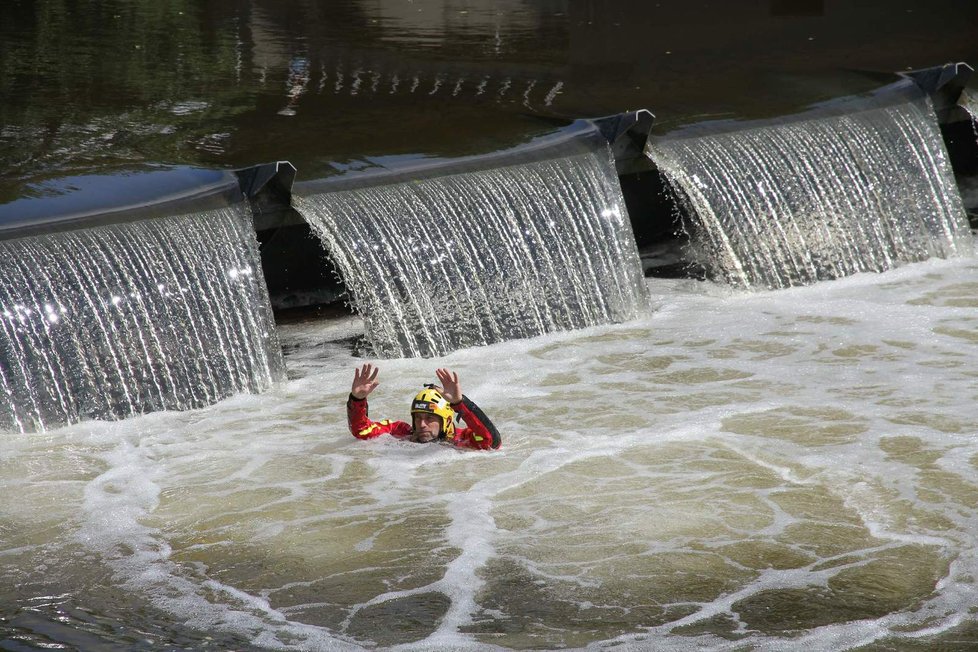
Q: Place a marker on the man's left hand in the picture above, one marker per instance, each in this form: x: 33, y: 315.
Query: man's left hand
x: 451, y: 388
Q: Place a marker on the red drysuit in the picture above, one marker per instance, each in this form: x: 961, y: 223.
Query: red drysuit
x: 479, y: 432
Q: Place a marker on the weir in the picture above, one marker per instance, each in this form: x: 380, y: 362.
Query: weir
x: 851, y: 187
x: 129, y: 317
x: 480, y: 251
x: 114, y: 303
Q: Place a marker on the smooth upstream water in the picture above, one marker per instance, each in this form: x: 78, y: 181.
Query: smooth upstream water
x: 795, y: 469
x: 323, y: 84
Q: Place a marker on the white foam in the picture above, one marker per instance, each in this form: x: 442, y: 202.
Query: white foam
x: 722, y: 421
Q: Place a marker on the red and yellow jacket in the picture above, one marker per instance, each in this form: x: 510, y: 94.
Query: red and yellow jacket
x: 479, y: 432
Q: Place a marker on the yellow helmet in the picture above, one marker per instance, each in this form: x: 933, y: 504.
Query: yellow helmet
x: 430, y: 401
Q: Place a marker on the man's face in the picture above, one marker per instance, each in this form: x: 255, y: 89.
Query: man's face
x: 427, y: 427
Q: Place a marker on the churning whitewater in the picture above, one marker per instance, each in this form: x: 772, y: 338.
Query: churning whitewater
x: 796, y: 469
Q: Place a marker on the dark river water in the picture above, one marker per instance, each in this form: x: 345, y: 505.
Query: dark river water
x: 330, y: 85
x: 779, y: 470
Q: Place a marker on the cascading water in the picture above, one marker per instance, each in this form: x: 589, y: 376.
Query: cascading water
x: 163, y: 314
x: 471, y: 258
x: 970, y: 105
x: 813, y: 199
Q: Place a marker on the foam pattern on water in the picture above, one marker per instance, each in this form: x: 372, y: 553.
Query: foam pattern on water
x: 793, y: 470
x: 166, y: 314
x: 474, y: 258
x: 808, y: 200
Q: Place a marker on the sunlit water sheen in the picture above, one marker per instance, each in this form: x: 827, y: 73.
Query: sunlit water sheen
x: 467, y: 258
x: 778, y: 471
x: 124, y: 319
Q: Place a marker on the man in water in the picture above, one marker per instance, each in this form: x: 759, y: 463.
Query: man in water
x: 433, y: 413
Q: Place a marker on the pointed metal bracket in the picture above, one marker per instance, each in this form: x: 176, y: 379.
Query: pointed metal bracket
x: 944, y: 84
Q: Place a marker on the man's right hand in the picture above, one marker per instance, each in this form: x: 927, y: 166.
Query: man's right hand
x: 364, y: 381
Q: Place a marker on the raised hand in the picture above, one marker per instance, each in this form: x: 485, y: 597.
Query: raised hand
x: 365, y: 380
x: 451, y: 388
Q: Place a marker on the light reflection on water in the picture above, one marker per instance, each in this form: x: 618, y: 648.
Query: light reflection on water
x: 787, y: 470
x: 246, y: 81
